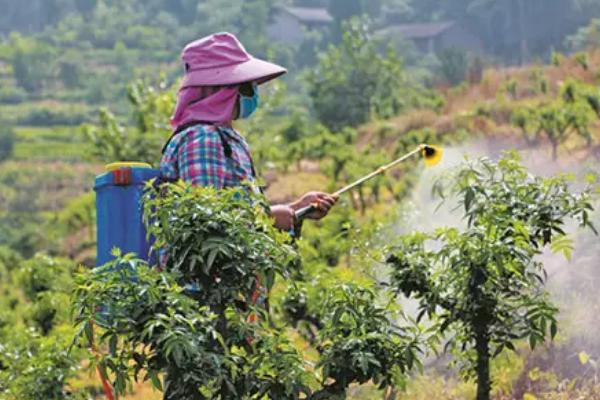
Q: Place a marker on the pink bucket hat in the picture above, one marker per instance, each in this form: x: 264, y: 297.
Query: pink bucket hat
x: 220, y: 59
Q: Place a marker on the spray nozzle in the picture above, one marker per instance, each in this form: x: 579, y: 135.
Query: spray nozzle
x: 431, y: 154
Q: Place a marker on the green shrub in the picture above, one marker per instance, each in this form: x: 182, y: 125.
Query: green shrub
x: 7, y: 142
x: 34, y: 367
x: 192, y: 321
x: 454, y: 65
x: 353, y: 82
x: 12, y: 94
x: 492, y: 293
x: 45, y: 116
x: 113, y: 140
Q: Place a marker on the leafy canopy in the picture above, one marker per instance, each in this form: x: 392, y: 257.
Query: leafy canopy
x: 484, y: 283
x: 353, y: 82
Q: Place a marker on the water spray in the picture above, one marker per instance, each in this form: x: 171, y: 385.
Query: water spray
x: 431, y: 155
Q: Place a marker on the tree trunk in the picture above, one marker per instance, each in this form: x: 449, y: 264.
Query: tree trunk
x: 390, y: 393
x: 484, y: 384
x: 363, y: 201
x: 554, y: 150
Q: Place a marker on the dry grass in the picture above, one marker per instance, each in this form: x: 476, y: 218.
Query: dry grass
x: 485, y: 109
x: 288, y: 187
x: 494, y: 80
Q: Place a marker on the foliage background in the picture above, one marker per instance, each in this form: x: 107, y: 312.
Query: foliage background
x: 83, y: 82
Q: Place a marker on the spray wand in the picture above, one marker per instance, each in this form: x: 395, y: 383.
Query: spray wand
x: 431, y: 154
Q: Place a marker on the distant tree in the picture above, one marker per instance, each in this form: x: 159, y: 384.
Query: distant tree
x: 396, y: 11
x: 85, y: 7
x: 372, y: 7
x: 558, y: 121
x: 113, y: 140
x: 492, y: 293
x: 454, y: 65
x: 586, y: 37
x: 311, y: 3
x: 570, y: 115
x: 354, y: 82
x: 32, y: 61
x: 7, y: 142
x: 341, y: 11
x: 70, y: 71
x: 252, y: 25
x: 219, y: 15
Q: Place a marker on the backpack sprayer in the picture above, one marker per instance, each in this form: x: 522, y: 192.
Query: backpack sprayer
x: 431, y: 154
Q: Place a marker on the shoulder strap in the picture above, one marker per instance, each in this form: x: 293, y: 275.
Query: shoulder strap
x: 227, y: 150
x: 226, y: 146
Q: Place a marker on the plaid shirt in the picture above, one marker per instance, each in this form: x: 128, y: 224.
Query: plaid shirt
x: 198, y: 155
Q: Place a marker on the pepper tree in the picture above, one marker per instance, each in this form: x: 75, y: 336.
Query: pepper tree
x: 483, y: 284
x: 192, y: 321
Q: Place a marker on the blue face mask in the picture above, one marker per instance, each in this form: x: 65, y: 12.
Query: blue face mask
x: 248, y: 104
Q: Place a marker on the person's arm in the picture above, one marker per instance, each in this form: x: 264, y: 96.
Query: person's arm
x: 284, y: 217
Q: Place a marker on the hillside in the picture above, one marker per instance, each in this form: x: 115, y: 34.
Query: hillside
x: 339, y: 116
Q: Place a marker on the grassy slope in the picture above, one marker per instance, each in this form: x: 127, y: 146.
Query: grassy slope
x: 56, y: 143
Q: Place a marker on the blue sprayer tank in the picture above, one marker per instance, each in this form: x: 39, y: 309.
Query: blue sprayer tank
x: 119, y: 211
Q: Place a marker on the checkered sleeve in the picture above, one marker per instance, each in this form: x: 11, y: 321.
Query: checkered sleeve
x: 201, y: 160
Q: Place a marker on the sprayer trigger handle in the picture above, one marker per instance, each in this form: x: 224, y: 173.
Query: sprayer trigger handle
x: 303, y: 212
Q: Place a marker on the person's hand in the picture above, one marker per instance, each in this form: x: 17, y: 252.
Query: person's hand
x: 323, y: 202
x: 284, y: 217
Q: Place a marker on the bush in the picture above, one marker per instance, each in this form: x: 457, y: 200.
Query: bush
x: 353, y: 82
x: 202, y: 323
x: 143, y: 142
x: 7, y: 142
x: 34, y: 367
x: 44, y: 116
x: 454, y: 65
x: 12, y: 94
x: 493, y: 290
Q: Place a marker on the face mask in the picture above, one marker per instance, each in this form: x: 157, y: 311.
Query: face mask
x: 248, y: 104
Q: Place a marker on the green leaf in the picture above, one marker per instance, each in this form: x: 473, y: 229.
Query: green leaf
x: 553, y: 329
x: 563, y: 244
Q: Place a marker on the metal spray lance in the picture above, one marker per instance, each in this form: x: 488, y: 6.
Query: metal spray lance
x: 431, y: 155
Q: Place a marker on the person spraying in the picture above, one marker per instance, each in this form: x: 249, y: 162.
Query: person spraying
x: 220, y: 85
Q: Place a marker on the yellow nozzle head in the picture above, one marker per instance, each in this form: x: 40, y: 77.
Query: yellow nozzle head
x: 431, y: 154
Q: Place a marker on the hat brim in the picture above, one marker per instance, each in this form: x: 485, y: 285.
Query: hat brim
x: 253, y: 70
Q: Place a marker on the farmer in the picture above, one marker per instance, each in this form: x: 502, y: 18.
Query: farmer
x: 220, y: 85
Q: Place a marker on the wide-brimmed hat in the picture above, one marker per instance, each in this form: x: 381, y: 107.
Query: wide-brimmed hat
x: 220, y: 59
